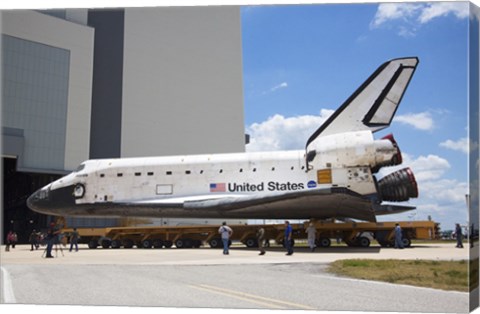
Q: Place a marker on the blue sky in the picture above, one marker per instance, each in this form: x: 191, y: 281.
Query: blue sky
x: 301, y: 62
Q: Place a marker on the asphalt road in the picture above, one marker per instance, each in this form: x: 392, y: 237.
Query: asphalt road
x: 206, y: 279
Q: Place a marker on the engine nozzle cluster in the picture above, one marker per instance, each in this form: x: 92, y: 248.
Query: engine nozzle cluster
x: 398, y: 186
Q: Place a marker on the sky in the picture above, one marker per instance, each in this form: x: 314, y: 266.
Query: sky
x: 301, y: 62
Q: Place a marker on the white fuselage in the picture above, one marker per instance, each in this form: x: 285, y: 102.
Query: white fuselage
x: 130, y: 179
x: 172, y: 186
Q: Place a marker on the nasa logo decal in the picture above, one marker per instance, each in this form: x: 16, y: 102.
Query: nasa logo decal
x: 312, y: 184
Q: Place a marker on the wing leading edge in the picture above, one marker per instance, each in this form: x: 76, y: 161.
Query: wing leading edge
x: 373, y: 105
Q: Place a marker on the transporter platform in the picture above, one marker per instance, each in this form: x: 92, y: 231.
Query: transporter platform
x: 354, y: 234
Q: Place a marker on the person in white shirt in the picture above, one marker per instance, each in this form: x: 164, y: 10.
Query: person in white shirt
x: 226, y: 233
x: 311, y: 233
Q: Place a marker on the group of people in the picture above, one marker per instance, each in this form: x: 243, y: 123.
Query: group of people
x: 226, y: 232
x: 50, y: 239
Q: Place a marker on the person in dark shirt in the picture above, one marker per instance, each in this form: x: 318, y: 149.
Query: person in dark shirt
x: 459, y: 236
x: 288, y: 238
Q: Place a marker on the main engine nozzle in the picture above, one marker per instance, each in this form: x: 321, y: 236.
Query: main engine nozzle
x: 387, y: 146
x: 398, y: 186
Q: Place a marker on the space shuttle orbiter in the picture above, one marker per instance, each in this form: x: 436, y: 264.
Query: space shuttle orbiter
x: 333, y: 177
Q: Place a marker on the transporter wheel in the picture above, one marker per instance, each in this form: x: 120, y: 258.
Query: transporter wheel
x: 197, y: 243
x: 106, y: 243
x: 251, y: 242
x: 168, y: 244
x: 406, y: 242
x: 188, y: 243
x: 92, y: 244
x: 116, y: 244
x: 180, y: 244
x: 324, y: 242
x: 215, y: 243
x: 128, y: 243
x: 363, y: 242
x: 157, y: 243
x: 147, y: 244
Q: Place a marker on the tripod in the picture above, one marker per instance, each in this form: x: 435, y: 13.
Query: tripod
x: 54, y: 246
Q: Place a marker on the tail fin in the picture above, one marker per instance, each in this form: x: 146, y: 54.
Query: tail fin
x: 373, y: 105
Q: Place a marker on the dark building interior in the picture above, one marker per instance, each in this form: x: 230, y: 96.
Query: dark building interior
x: 17, y: 187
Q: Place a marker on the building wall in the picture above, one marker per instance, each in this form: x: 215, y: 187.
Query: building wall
x: 106, y: 121
x: 182, y: 81
x: 47, y: 66
x: 178, y: 90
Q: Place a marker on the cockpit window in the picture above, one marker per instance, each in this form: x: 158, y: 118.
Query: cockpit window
x: 80, y: 168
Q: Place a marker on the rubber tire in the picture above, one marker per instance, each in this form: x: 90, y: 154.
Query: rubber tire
x: 106, y: 244
x: 127, y: 243
x: 188, y: 243
x: 157, y: 243
x: 147, y: 244
x: 406, y: 242
x: 197, y: 244
x: 215, y: 243
x: 168, y: 244
x: 251, y: 242
x: 324, y: 242
x: 180, y: 244
x: 93, y: 244
x: 363, y: 242
x: 116, y: 244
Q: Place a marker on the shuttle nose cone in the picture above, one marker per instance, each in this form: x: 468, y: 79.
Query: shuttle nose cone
x: 39, y: 201
x: 53, y: 201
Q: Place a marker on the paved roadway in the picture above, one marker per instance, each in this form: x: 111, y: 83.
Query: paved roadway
x: 204, y: 278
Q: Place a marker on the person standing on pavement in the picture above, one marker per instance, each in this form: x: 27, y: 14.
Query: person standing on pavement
x: 398, y: 237
x: 9, y: 241
x: 226, y: 232
x: 459, y: 236
x: 261, y: 240
x: 288, y: 238
x: 52, y: 236
x: 33, y: 240
x: 311, y: 236
x: 74, y: 240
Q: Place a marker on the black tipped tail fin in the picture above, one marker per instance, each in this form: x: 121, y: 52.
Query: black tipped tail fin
x: 373, y: 105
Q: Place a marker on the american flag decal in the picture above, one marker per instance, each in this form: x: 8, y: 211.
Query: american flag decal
x: 217, y: 187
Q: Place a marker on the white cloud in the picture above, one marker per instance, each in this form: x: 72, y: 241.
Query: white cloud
x: 421, y: 121
x: 394, y: 11
x: 430, y: 167
x: 276, y: 87
x: 425, y: 168
x: 281, y: 85
x: 434, y: 10
x: 413, y: 15
x: 280, y: 133
x: 406, y: 32
x: 460, y: 145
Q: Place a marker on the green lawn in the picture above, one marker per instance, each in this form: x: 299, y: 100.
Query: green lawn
x: 445, y: 275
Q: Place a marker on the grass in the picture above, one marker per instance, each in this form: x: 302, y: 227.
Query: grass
x: 445, y: 275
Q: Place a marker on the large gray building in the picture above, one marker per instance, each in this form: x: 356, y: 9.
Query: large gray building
x: 79, y: 84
